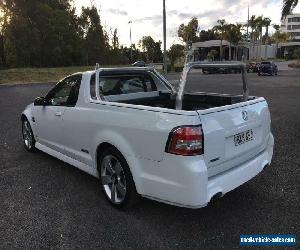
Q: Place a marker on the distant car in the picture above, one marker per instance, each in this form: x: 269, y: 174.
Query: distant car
x: 252, y: 67
x: 267, y: 67
x: 139, y: 64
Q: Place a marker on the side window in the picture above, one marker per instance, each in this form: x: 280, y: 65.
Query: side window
x: 75, y: 81
x: 123, y: 84
x: 65, y: 93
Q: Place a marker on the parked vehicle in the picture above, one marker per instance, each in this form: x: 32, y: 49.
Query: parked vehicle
x: 252, y: 67
x: 267, y: 67
x: 139, y: 64
x: 129, y: 128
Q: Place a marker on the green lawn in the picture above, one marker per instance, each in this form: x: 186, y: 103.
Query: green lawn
x: 28, y: 75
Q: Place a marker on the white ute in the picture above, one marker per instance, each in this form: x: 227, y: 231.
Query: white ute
x: 129, y: 128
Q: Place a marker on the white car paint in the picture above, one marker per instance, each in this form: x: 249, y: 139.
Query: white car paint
x: 140, y: 133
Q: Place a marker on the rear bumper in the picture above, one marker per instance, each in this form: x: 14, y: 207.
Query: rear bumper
x: 266, y: 71
x: 183, y: 181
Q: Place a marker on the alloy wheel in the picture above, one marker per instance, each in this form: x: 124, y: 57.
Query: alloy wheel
x: 27, y: 135
x: 113, y: 179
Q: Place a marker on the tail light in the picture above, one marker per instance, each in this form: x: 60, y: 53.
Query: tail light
x: 185, y: 140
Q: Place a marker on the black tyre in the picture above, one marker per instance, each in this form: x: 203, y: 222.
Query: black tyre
x: 28, y: 137
x: 116, y: 179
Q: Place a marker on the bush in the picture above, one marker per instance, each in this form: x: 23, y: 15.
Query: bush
x: 212, y: 54
x: 296, y: 54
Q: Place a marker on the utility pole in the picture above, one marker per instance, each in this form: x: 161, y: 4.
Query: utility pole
x: 165, y: 37
x: 248, y: 45
x: 248, y: 25
x: 130, y: 23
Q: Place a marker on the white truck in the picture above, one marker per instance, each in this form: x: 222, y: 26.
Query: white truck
x: 132, y: 130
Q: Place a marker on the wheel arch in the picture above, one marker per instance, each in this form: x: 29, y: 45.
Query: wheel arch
x: 27, y: 113
x: 101, y: 148
x: 27, y: 116
x: 23, y: 117
x: 129, y: 158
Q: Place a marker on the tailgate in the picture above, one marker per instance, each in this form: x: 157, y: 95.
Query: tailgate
x: 234, y: 134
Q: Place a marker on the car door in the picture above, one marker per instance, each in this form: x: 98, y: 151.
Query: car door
x: 49, y: 118
x: 79, y: 126
x: 74, y: 126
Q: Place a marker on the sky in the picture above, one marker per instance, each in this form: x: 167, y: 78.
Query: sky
x: 146, y: 16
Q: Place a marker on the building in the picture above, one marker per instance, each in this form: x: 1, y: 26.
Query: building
x: 291, y: 25
x: 250, y: 51
x: 200, y: 50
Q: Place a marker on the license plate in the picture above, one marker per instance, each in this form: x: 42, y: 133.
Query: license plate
x: 243, y: 137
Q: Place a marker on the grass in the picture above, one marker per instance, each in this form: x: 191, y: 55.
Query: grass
x: 40, y: 75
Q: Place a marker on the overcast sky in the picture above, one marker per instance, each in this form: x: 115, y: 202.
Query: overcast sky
x: 146, y: 15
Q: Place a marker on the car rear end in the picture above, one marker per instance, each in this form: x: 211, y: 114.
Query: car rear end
x: 228, y: 146
x: 267, y: 68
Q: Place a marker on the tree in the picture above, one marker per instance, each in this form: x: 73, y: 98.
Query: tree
x: 232, y: 33
x: 188, y: 33
x: 259, y: 26
x: 115, y: 40
x: 276, y: 27
x: 266, y: 22
x: 151, y: 49
x: 210, y: 34
x: 280, y: 37
x: 125, y: 54
x: 212, y: 54
x: 40, y: 33
x: 252, y: 25
x: 287, y: 8
x: 254, y: 32
x: 176, y: 51
x: 2, y: 23
x: 220, y: 29
x: 95, y: 39
x: 296, y: 54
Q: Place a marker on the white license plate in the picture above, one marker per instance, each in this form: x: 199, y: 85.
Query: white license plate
x: 243, y: 137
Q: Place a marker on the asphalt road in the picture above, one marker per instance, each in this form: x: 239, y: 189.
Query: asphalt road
x: 45, y: 203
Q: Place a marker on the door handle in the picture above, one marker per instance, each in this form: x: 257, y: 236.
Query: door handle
x: 58, y: 113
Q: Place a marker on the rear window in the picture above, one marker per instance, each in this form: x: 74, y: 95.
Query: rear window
x: 123, y: 84
x: 266, y: 63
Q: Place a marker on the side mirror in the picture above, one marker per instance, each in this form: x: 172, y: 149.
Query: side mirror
x: 39, y: 101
